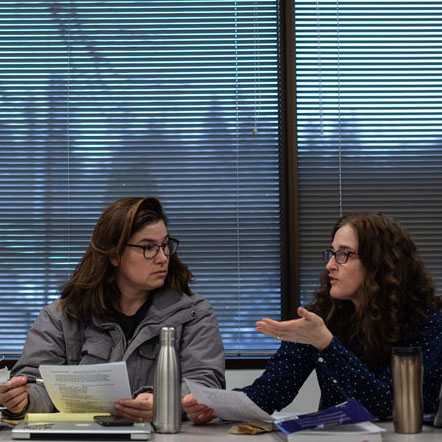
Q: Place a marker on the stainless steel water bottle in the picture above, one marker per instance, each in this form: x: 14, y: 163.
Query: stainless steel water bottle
x: 407, y: 372
x: 167, y: 411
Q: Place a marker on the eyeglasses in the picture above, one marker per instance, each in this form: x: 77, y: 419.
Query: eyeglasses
x: 341, y: 256
x: 152, y: 250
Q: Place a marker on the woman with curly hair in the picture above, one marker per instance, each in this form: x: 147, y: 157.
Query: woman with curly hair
x: 128, y: 285
x: 374, y: 294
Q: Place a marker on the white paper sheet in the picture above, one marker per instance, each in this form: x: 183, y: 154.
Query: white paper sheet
x: 86, y: 388
x: 4, y: 376
x: 227, y: 405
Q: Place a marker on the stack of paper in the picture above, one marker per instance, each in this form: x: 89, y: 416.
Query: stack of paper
x: 348, y: 421
x: 361, y: 432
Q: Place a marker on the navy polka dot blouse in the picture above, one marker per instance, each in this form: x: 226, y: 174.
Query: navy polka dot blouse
x: 342, y: 375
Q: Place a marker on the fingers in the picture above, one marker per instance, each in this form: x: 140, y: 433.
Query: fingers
x: 201, y: 417
x: 309, y: 316
x: 198, y: 413
x: 18, y: 404
x: 133, y: 414
x: 141, y: 409
x: 189, y: 401
x: 295, y: 330
x: 138, y: 410
x: 275, y: 329
x: 309, y: 328
x: 262, y: 328
x: 191, y: 406
x: 17, y: 381
x: 14, y: 396
x: 270, y: 322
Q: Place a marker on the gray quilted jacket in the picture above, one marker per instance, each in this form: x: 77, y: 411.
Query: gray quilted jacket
x: 56, y: 339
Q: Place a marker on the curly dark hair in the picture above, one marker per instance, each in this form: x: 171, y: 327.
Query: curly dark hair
x: 394, y: 297
x: 93, y: 288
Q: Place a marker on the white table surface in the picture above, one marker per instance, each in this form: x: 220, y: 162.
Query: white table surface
x: 218, y: 432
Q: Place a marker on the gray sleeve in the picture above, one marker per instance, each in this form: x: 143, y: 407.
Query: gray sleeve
x: 45, y: 344
x: 202, y: 351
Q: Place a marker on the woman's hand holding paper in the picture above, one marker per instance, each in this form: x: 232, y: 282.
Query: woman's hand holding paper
x: 14, y: 394
x: 198, y: 413
x: 139, y: 409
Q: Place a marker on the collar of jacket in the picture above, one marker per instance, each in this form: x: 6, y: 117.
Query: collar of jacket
x: 167, y: 307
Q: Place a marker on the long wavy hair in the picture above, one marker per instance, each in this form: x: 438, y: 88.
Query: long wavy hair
x: 394, y: 297
x: 93, y: 289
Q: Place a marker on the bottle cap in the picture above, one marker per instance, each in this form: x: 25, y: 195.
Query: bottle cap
x: 407, y: 351
x: 167, y: 334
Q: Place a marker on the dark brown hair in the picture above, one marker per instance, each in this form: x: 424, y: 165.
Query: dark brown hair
x: 93, y: 288
x: 394, y: 296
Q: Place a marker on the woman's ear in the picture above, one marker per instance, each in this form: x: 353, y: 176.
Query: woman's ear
x: 114, y: 260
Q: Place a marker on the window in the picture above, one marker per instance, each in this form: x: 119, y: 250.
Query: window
x: 178, y: 100
x: 369, y: 121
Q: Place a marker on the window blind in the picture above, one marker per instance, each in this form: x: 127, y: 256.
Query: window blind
x: 369, y: 121
x: 178, y: 100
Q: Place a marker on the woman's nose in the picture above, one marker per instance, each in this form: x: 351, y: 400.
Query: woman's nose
x: 331, y: 263
x: 161, y: 256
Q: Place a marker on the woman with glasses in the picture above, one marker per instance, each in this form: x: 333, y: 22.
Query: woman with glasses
x: 374, y: 294
x: 129, y: 284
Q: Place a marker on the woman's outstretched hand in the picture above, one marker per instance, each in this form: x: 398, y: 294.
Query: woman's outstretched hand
x: 308, y: 329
